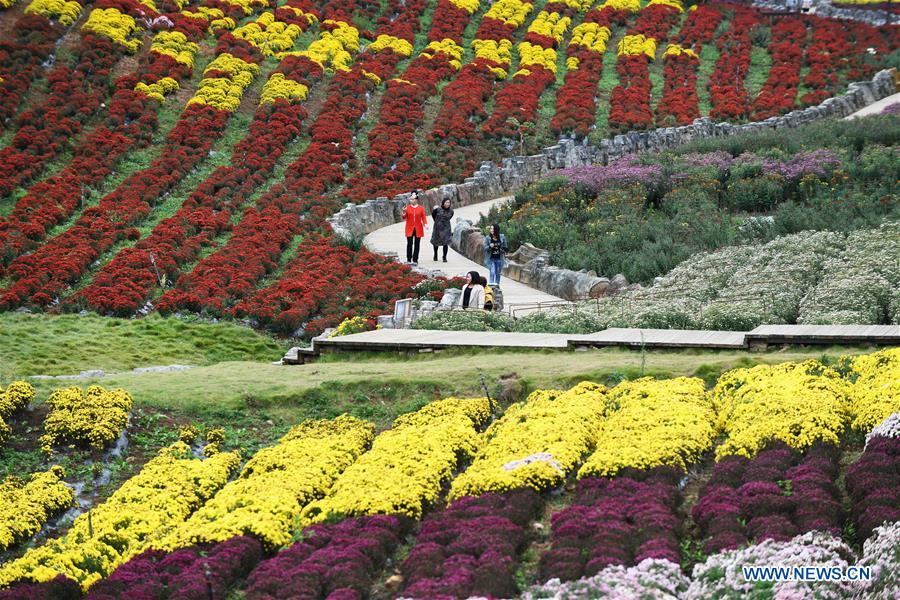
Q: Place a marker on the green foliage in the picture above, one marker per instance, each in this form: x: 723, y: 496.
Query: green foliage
x: 458, y: 320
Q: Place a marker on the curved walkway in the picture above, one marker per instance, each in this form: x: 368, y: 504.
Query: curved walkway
x: 390, y: 240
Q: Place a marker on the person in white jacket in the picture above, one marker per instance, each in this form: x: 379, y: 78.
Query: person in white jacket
x: 472, y: 296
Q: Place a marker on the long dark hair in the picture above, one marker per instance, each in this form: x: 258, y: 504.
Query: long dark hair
x: 495, y: 231
x: 476, y: 278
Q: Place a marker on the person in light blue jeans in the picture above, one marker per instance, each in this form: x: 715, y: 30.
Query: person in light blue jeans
x: 495, y: 250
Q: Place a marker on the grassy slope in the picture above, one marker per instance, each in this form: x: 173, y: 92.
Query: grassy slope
x: 67, y: 344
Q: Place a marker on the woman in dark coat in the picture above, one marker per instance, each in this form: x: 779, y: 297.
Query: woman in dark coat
x: 440, y: 233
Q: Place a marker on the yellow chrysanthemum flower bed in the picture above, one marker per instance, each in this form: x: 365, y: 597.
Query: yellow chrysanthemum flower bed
x: 579, y: 5
x: 669, y: 422
x: 552, y: 25
x: 176, y: 45
x: 214, y: 16
x: 60, y: 10
x: 7, y: 4
x: 114, y: 26
x: 397, y: 45
x: 532, y: 54
x: 279, y: 86
x: 629, y: 5
x: 499, y: 52
x: 592, y: 36
x: 876, y: 393
x: 92, y: 418
x: 246, y: 6
x: 677, y: 50
x: 408, y: 465
x: 268, y: 35
x: 536, y: 443
x: 511, y: 12
x: 676, y: 4
x: 13, y: 398
x: 224, y: 93
x: 266, y: 499
x: 331, y: 51
x: 470, y: 6
x: 797, y: 403
x: 26, y: 506
x: 159, y: 90
x: 450, y: 48
x: 632, y: 45
x: 144, y: 509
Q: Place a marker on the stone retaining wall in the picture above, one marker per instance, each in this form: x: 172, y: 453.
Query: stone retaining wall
x: 491, y: 181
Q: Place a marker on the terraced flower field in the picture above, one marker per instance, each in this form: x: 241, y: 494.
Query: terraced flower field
x: 651, y: 488
x: 183, y: 155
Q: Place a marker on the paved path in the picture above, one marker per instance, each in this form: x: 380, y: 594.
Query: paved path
x: 390, y: 240
x: 420, y: 340
x: 875, y: 108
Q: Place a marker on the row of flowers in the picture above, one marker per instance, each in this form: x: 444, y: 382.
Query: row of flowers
x: 872, y: 482
x: 294, y: 205
x: 779, y: 93
x: 130, y: 122
x: 74, y: 96
x: 778, y: 494
x: 30, y: 42
x: 266, y: 499
x: 146, y: 507
x: 629, y: 101
x: 126, y: 283
x: 391, y: 165
x: 408, y: 465
x: 44, y: 274
x: 25, y: 506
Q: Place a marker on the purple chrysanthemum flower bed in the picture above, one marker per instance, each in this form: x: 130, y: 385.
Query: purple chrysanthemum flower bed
x: 617, y: 174
x: 776, y: 495
x: 187, y: 574
x: 619, y: 521
x: 59, y: 588
x: 334, y: 561
x: 470, y: 548
x: 873, y: 482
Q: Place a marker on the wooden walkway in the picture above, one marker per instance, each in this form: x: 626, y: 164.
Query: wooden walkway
x: 423, y: 340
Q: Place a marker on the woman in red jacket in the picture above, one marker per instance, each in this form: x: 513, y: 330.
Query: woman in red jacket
x: 414, y: 215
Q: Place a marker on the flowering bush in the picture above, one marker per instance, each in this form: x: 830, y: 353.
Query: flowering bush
x: 880, y: 555
x: 875, y: 395
x: 721, y: 576
x: 183, y: 574
x: 654, y: 423
x: 66, y: 12
x: 93, y: 418
x: 115, y: 26
x: 777, y: 494
x: 26, y: 506
x: 329, y: 561
x: 408, y: 465
x: 797, y: 403
x: 276, y: 484
x: 651, y: 578
x: 145, y: 508
x: 889, y: 428
x: 536, y: 443
x: 469, y: 548
x: 620, y: 521
x: 871, y: 484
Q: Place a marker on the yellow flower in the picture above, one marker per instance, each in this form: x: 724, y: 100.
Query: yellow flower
x: 144, y: 509
x: 797, y: 403
x: 551, y: 25
x: 115, y: 26
x: 176, y: 45
x: 875, y: 395
x: 631, y: 45
x: 536, y: 443
x: 268, y: 35
x: 279, y: 86
x: 332, y: 50
x: 408, y: 465
x: 224, y: 93
x: 159, y: 90
x: 92, y: 418
x: 667, y: 422
x: 532, y: 54
x: 470, y: 6
x: 61, y: 10
x: 676, y: 4
x: 448, y: 47
x: 629, y: 5
x: 275, y: 485
x: 397, y: 45
x: 592, y: 36
x: 676, y: 50
x: 26, y: 507
x: 511, y: 12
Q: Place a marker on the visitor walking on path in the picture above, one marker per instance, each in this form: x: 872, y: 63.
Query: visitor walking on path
x: 414, y: 215
x: 472, y: 296
x: 441, y: 230
x: 495, y: 250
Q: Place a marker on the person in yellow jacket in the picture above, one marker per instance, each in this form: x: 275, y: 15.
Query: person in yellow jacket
x: 488, y: 294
